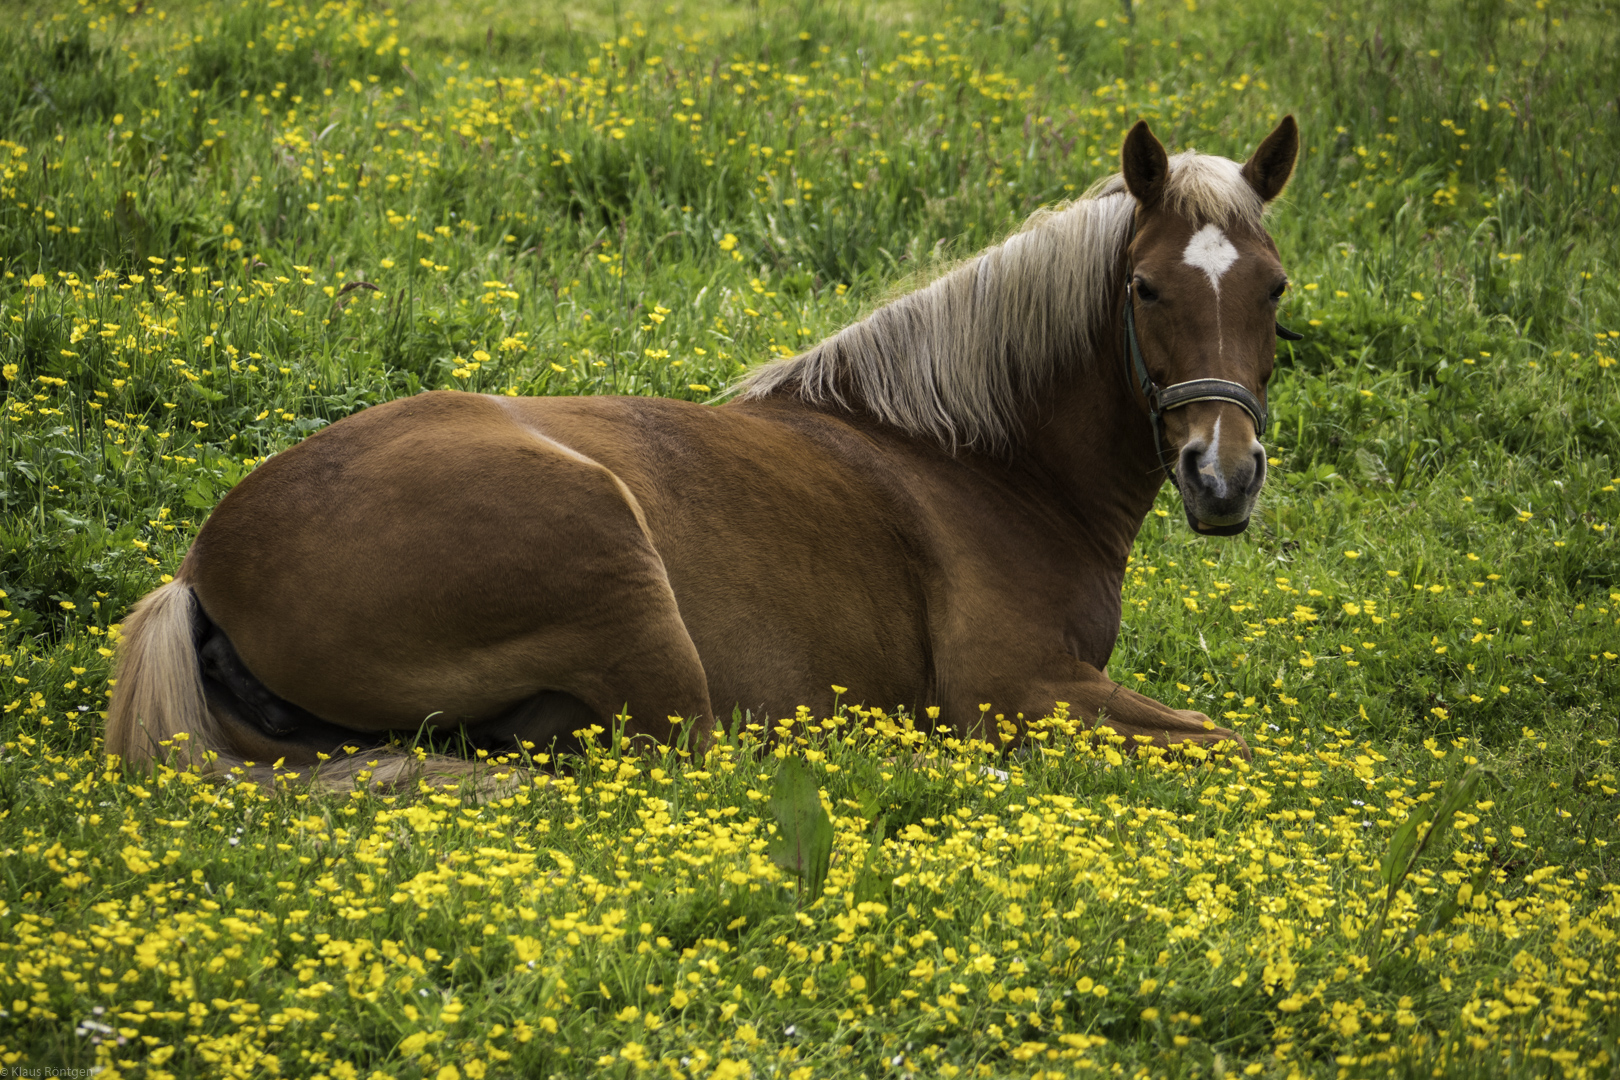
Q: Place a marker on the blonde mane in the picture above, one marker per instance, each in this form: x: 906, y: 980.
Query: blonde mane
x: 959, y: 360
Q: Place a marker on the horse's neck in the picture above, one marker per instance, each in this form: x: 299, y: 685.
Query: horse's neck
x: 1092, y: 440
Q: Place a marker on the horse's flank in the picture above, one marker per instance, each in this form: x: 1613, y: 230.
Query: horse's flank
x: 960, y: 361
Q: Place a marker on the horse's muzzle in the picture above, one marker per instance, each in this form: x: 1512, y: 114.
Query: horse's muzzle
x: 1218, y: 495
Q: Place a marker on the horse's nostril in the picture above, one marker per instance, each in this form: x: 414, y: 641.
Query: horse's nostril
x: 1190, y: 459
x: 1259, y: 471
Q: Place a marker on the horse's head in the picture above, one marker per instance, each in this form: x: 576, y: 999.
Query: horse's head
x: 1200, y: 315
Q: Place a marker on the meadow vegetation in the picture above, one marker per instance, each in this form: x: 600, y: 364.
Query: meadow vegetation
x: 224, y: 226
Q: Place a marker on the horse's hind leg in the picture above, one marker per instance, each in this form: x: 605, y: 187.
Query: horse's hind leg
x: 457, y: 566
x: 646, y: 669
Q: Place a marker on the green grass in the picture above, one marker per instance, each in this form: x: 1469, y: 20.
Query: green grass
x: 224, y: 226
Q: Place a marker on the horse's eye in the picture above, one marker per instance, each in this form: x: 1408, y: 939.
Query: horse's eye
x: 1277, y: 291
x: 1147, y: 292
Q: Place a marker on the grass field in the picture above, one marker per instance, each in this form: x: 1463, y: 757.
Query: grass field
x: 225, y: 226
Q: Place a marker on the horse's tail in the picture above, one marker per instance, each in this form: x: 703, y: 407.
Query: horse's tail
x: 158, y: 710
x: 159, y: 714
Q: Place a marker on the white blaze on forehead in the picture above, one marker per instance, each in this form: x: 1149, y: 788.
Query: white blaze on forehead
x: 1210, y: 251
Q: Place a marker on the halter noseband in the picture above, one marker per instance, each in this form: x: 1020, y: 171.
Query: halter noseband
x: 1161, y: 400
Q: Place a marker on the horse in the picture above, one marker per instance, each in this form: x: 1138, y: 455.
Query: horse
x: 934, y: 506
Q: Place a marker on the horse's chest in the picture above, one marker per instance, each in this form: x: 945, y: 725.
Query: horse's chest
x: 1026, y: 591
x: 1091, y: 623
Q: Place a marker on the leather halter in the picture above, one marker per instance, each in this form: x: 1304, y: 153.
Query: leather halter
x: 1161, y: 400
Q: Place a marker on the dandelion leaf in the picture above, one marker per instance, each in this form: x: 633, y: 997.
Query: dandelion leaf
x: 871, y: 883
x: 1398, y: 858
x: 804, y: 833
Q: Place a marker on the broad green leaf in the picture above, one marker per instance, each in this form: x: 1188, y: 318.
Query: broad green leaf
x: 1458, y: 797
x: 1400, y: 845
x: 871, y: 801
x: 870, y: 883
x: 804, y: 833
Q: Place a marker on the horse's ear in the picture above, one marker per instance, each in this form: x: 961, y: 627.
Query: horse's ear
x: 1144, y: 164
x: 1273, y: 162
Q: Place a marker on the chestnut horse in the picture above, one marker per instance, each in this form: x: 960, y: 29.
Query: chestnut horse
x: 933, y: 506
